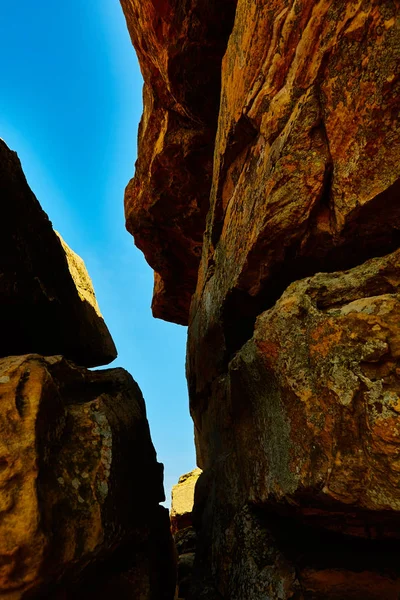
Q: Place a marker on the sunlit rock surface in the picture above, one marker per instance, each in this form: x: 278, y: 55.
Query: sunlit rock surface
x: 293, y: 360
x: 79, y: 485
x: 48, y: 305
x: 180, y: 48
x: 182, y: 500
x: 294, y: 382
x: 183, y: 530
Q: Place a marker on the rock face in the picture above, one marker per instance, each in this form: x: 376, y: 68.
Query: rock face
x: 78, y: 478
x: 180, y: 49
x: 47, y: 298
x: 183, y: 530
x: 293, y: 359
x: 305, y: 423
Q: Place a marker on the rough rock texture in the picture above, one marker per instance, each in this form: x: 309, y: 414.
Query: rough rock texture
x: 294, y: 393
x: 314, y: 185
x: 180, y: 48
x: 79, y: 482
x: 293, y: 357
x: 182, y: 498
x: 183, y: 530
x: 47, y: 300
x: 305, y: 425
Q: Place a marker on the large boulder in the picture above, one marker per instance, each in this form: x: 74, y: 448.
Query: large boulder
x: 306, y: 172
x: 79, y: 485
x: 294, y: 382
x: 48, y: 305
x: 182, y: 499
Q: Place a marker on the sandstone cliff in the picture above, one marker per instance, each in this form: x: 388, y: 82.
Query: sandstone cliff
x: 293, y: 359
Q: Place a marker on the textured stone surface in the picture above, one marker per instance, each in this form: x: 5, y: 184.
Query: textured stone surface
x: 79, y: 481
x: 294, y: 393
x: 306, y: 174
x: 293, y: 359
x: 183, y: 530
x: 180, y: 47
x: 47, y: 299
x: 182, y: 500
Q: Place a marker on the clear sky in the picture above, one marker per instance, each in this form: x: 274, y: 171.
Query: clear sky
x: 70, y: 103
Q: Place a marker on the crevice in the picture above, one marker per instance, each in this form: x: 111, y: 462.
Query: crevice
x: 20, y: 400
x: 372, y: 231
x: 240, y: 137
x: 316, y: 547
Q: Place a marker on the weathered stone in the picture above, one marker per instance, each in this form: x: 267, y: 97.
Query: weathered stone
x: 47, y: 299
x: 306, y: 170
x: 294, y: 393
x: 182, y: 528
x: 305, y: 424
x: 256, y: 551
x: 180, y: 48
x: 182, y: 500
x: 79, y: 481
x: 293, y: 374
x: 314, y: 395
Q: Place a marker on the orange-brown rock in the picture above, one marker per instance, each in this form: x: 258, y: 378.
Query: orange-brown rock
x: 294, y: 393
x: 79, y: 483
x: 180, y: 48
x: 293, y: 358
x: 47, y: 300
x: 306, y: 174
x: 319, y: 429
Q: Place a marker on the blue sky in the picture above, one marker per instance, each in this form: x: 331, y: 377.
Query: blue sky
x: 70, y: 103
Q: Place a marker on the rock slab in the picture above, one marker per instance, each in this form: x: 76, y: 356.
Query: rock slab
x: 46, y: 295
x: 182, y: 499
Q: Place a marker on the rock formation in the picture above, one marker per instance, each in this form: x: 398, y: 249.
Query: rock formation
x: 182, y: 499
x: 47, y: 298
x: 293, y: 360
x: 180, y: 49
x: 182, y: 527
x: 75, y: 448
x: 80, y: 485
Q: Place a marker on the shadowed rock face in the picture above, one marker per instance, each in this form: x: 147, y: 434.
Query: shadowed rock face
x: 79, y: 484
x: 293, y: 358
x: 180, y: 47
x: 47, y: 298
